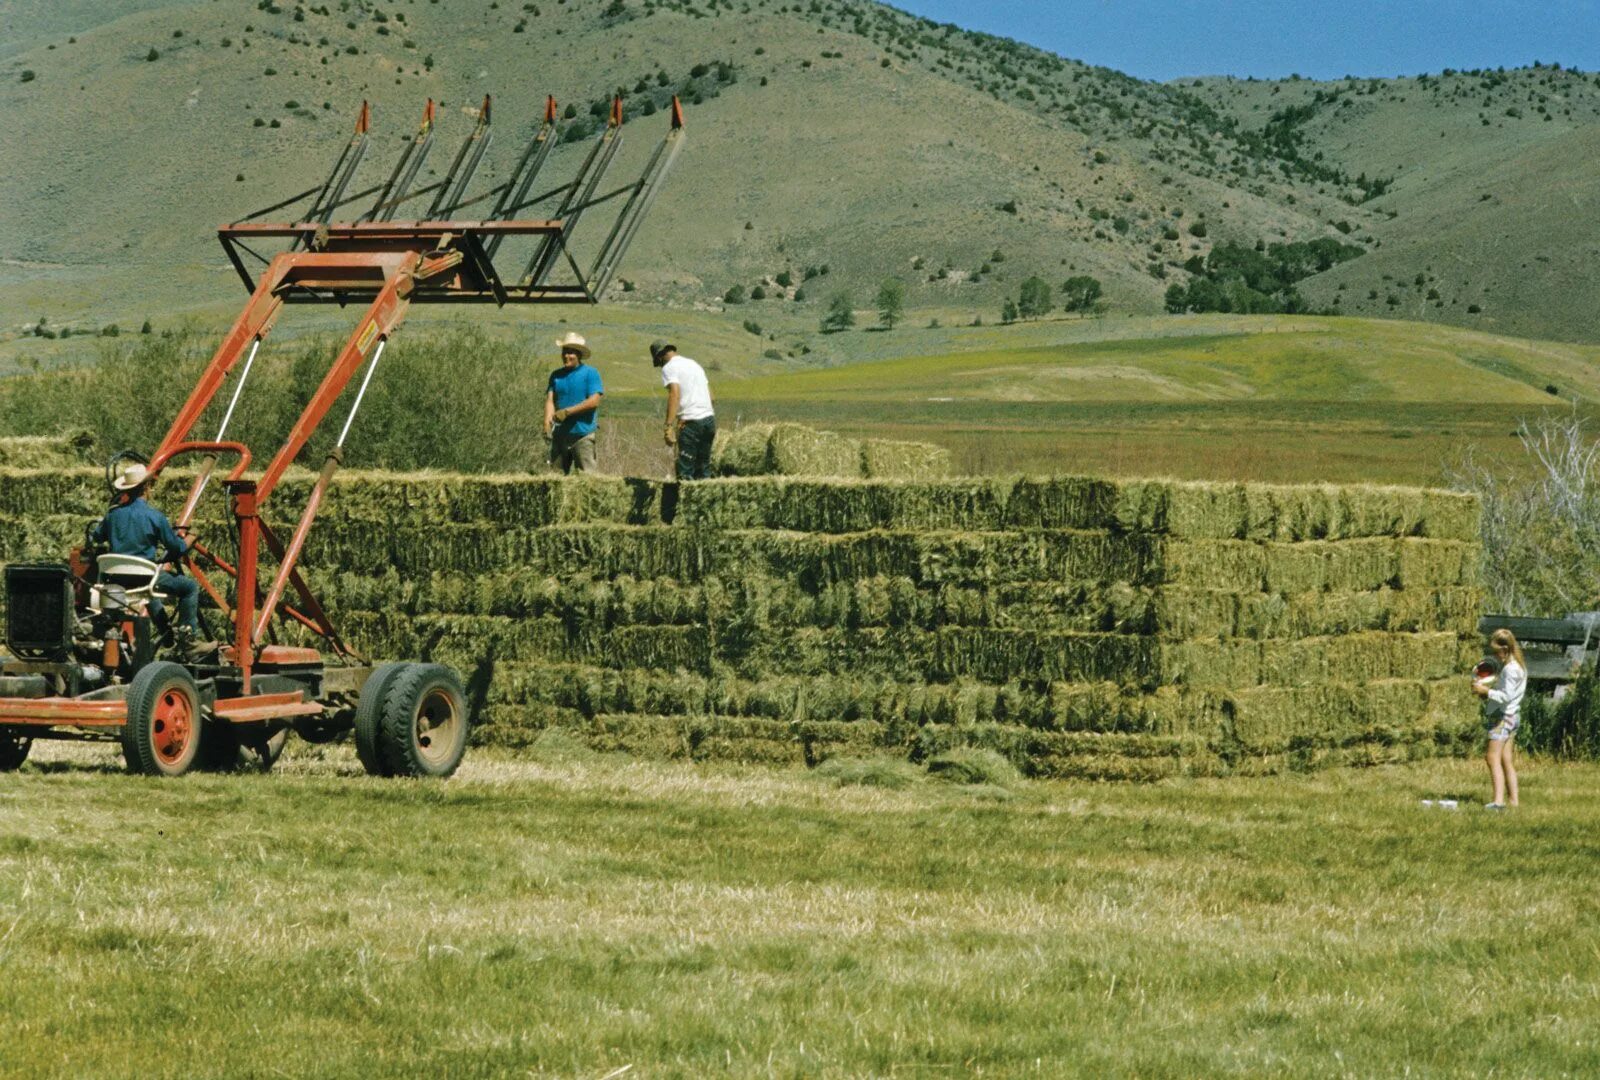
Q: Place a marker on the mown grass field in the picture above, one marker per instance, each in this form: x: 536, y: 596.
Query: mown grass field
x: 577, y: 916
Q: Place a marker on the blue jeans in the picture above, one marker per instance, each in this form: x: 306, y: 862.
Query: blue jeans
x: 186, y: 591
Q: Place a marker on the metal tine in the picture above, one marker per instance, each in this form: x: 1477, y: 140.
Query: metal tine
x: 405, y: 170
x: 522, y: 177
x: 567, y: 200
x: 456, y: 180
x: 573, y: 205
x: 638, y: 205
x: 343, y: 169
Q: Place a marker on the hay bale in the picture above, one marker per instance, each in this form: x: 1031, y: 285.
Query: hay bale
x: 794, y: 450
x: 893, y: 459
x: 786, y: 450
x: 68, y: 450
x: 742, y: 451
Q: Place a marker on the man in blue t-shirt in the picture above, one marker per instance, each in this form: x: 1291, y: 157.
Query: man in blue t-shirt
x: 134, y: 527
x: 571, y: 407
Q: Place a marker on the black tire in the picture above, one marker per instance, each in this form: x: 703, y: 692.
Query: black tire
x: 270, y: 749
x: 424, y: 729
x: 369, y: 718
x: 13, y: 750
x: 220, y: 749
x: 165, y: 730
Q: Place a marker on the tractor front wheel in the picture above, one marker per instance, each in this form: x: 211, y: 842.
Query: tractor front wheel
x: 13, y: 750
x: 164, y: 729
x: 424, y: 730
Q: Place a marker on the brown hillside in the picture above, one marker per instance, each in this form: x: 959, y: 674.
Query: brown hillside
x: 844, y: 135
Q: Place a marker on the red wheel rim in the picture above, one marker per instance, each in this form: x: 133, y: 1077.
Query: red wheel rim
x: 172, y: 727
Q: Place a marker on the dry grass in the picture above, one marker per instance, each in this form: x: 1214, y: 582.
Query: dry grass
x: 570, y: 918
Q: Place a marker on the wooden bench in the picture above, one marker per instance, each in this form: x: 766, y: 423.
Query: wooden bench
x: 1557, y: 649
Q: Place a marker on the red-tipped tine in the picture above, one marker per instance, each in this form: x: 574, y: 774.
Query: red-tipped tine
x: 550, y: 109
x: 616, y: 112
x: 364, y: 120
x: 677, y: 113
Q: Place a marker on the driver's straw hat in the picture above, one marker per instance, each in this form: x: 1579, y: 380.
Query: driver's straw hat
x: 131, y: 477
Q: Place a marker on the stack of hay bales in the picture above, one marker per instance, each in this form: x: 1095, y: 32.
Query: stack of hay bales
x: 65, y: 451
x: 1084, y: 627
x: 795, y: 450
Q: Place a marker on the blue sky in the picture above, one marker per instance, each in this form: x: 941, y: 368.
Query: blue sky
x: 1166, y: 39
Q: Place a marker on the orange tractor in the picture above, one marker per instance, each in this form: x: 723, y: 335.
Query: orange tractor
x: 89, y: 659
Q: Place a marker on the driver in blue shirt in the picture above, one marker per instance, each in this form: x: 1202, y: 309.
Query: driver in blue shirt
x: 134, y: 527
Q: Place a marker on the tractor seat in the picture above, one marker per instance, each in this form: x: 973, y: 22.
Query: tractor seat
x: 124, y: 582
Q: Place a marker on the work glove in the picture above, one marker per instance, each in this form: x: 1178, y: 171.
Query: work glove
x: 671, y: 437
x: 561, y: 414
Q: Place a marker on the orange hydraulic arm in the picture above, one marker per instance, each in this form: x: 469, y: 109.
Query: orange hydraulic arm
x: 388, y: 264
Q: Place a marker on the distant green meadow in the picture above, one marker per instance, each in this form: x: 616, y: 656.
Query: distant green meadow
x: 587, y: 916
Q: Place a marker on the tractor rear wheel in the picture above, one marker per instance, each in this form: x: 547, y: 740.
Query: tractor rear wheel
x: 219, y: 750
x: 369, y: 718
x: 164, y: 729
x: 13, y: 750
x: 424, y: 722
x: 269, y: 749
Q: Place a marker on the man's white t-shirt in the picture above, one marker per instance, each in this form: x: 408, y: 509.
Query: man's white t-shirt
x: 694, y: 392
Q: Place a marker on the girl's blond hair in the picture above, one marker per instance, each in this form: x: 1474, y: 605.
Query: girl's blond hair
x: 1506, y: 639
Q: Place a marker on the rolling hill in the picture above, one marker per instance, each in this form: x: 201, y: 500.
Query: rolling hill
x: 832, y: 135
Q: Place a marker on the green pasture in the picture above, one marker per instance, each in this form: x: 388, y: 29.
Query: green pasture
x: 578, y: 916
x: 1282, y: 399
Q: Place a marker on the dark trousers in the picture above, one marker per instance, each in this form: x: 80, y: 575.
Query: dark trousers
x: 694, y: 448
x: 186, y: 591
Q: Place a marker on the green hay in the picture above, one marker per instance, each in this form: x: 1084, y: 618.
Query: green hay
x: 1186, y: 511
x: 968, y: 765
x: 69, y: 450
x: 786, y: 450
x: 1342, y: 658
x: 1084, y: 627
x: 891, y: 459
x: 818, y: 505
x: 1332, y: 715
x: 742, y: 451
x: 1305, y: 512
x: 878, y: 772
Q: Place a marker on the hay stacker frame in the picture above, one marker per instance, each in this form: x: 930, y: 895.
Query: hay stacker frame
x: 88, y: 659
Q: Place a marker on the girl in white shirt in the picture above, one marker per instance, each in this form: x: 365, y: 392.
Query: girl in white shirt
x: 1502, y: 711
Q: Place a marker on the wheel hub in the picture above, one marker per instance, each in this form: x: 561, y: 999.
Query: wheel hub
x: 172, y: 726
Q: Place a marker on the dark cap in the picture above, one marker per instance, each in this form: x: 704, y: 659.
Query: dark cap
x: 659, y: 346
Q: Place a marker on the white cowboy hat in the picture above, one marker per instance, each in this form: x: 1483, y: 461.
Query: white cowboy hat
x: 573, y: 343
x: 131, y: 477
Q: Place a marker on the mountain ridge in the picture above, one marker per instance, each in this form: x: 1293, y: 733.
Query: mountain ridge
x: 849, y: 136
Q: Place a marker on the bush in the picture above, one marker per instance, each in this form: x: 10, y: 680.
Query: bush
x: 152, y: 56
x: 891, y: 302
x: 27, y: 75
x: 1541, y: 519
x: 1034, y: 299
x: 734, y: 295
x: 1569, y: 728
x: 840, y: 314
x: 752, y: 327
